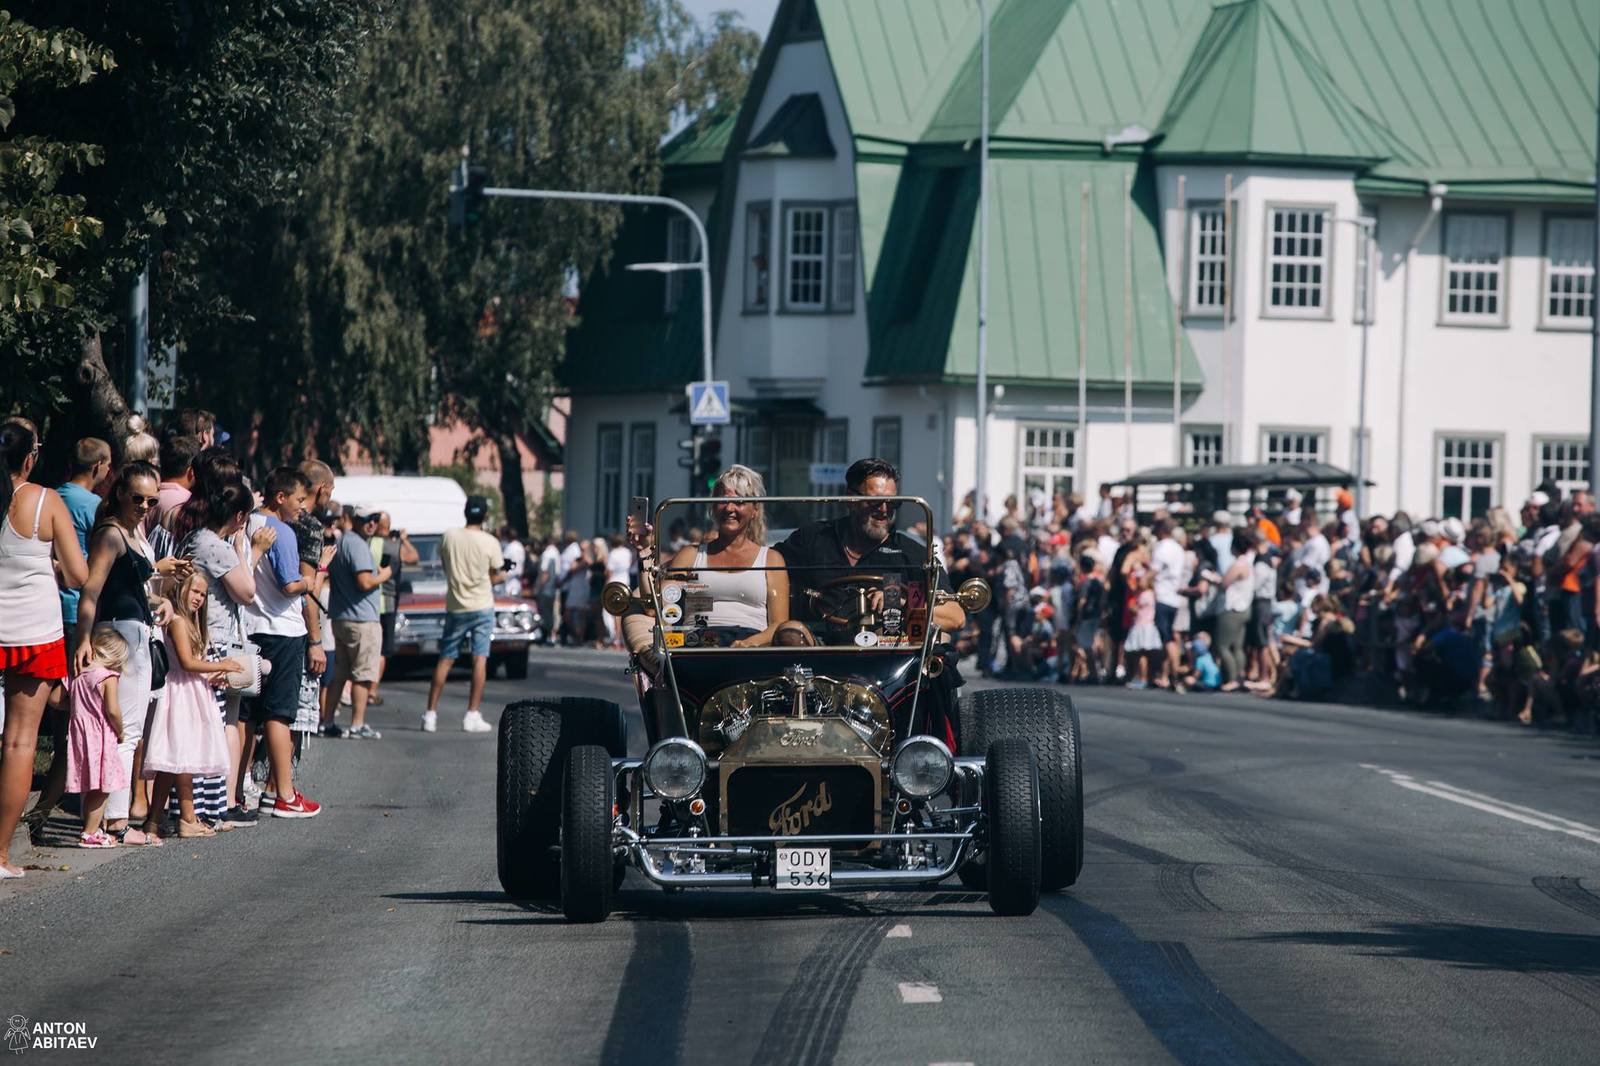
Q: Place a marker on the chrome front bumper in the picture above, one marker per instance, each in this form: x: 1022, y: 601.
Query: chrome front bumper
x: 654, y: 857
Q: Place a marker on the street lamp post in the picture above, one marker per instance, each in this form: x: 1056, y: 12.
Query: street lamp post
x: 1364, y: 228
x: 703, y: 264
x: 980, y: 488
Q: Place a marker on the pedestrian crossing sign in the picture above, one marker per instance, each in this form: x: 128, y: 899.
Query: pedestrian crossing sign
x: 708, y: 403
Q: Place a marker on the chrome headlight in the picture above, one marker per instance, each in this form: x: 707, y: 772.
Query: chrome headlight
x: 519, y: 620
x: 922, y: 766
x: 675, y: 769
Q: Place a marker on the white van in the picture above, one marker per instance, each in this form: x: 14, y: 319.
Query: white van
x: 425, y: 507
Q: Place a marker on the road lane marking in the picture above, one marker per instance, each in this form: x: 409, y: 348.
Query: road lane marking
x: 919, y: 992
x: 1531, y: 816
x: 898, y: 931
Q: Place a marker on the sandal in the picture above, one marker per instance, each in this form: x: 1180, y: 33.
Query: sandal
x: 97, y: 839
x: 191, y: 830
x: 136, y: 837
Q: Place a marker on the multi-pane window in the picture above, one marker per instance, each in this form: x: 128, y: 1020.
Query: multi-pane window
x: 1366, y: 272
x: 1297, y: 261
x: 1049, y: 460
x: 1208, y: 260
x: 757, y: 257
x: 806, y: 258
x: 680, y: 249
x: 819, y: 257
x: 1467, y: 475
x: 642, y: 459
x: 1474, y: 282
x: 757, y: 453
x: 886, y: 439
x: 1565, y: 463
x: 1203, y: 448
x: 844, y: 257
x: 830, y: 447
x: 1569, y: 271
x: 1292, y: 446
x: 608, y: 490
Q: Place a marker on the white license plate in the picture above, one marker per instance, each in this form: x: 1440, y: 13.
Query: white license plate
x: 804, y: 869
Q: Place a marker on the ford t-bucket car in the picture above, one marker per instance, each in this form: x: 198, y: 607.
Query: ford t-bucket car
x: 821, y: 767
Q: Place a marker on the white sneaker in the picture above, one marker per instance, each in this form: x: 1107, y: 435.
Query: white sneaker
x: 472, y: 722
x: 430, y: 721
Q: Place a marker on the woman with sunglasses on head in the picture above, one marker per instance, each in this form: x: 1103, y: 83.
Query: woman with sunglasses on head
x: 117, y: 595
x: 37, y: 541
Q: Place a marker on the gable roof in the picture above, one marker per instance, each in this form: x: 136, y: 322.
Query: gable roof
x: 1252, y: 91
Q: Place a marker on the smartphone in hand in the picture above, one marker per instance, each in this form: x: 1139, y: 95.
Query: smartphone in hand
x: 639, y: 513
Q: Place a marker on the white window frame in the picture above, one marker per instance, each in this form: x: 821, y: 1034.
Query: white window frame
x: 1564, y: 265
x: 681, y: 241
x: 791, y: 211
x: 609, y: 476
x: 1317, y: 267
x: 842, y: 268
x: 1474, y: 262
x: 642, y: 459
x: 1206, y: 288
x: 830, y: 443
x: 1364, y: 310
x: 758, y: 257
x: 1285, y: 444
x: 1491, y: 453
x: 1570, y: 456
x: 883, y: 428
x: 1049, y: 459
x: 1197, y: 445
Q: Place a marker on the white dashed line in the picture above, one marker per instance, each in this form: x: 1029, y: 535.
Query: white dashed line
x: 919, y: 992
x: 898, y: 931
x: 1490, y: 805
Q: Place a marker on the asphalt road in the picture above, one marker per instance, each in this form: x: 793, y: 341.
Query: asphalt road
x: 1264, y: 883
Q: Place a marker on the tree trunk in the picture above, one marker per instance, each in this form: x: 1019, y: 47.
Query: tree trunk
x: 105, y: 412
x: 512, y: 493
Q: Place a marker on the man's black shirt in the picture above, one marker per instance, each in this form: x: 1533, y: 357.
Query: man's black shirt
x: 815, y: 555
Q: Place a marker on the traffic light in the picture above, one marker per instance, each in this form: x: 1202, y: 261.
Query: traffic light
x: 466, y: 197
x: 708, y: 464
x: 690, y: 447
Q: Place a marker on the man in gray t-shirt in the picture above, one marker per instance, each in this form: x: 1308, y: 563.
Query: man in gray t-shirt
x: 353, y: 590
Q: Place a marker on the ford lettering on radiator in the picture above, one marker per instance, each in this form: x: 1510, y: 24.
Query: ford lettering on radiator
x: 793, y: 815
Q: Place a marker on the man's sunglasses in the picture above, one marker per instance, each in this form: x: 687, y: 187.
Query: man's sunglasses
x: 885, y: 507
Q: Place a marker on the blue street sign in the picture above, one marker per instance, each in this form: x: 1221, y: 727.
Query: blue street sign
x: 708, y: 403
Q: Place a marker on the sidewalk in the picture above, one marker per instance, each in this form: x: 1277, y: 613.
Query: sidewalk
x: 55, y: 860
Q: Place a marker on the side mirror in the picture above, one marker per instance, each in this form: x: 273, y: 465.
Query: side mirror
x: 974, y: 595
x: 616, y: 598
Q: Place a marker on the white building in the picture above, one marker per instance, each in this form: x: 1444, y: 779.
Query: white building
x: 841, y: 199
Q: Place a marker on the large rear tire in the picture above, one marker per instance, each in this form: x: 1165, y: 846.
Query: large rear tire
x: 1048, y: 721
x: 587, y: 865
x: 535, y: 736
x: 1011, y: 804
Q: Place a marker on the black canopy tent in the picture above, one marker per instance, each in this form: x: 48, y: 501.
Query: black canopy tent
x: 1207, y: 488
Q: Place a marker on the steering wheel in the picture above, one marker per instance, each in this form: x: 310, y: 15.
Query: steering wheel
x: 825, y: 598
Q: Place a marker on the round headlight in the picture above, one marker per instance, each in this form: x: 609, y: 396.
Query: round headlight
x: 675, y: 768
x: 921, y: 767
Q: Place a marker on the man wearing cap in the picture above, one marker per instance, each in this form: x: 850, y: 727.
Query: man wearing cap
x: 353, y: 584
x: 472, y: 565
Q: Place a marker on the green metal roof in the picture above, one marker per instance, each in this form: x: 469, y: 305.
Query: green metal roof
x: 923, y: 266
x: 1252, y: 91
x: 701, y: 143
x: 798, y: 130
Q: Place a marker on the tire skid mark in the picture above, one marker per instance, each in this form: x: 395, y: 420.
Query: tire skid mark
x: 1175, y: 877
x: 1568, y: 892
x: 1181, y: 1007
x: 825, y: 985
x: 653, y: 996
x: 1244, y: 830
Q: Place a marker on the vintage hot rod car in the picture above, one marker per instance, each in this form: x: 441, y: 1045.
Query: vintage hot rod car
x: 819, y: 767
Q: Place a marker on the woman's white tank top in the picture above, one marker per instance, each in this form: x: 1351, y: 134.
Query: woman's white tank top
x: 738, y: 598
x: 30, y: 602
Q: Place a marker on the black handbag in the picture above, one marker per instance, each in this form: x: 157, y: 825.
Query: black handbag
x: 158, y: 664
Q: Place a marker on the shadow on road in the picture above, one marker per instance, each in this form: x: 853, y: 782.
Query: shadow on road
x: 1473, y: 947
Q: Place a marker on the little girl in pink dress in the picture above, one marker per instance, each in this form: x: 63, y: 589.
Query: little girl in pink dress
x: 185, y: 737
x: 93, y: 732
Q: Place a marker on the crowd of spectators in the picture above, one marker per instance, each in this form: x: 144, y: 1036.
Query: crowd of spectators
x: 1497, y: 613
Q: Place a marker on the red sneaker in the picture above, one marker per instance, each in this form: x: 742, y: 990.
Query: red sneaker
x: 299, y: 807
